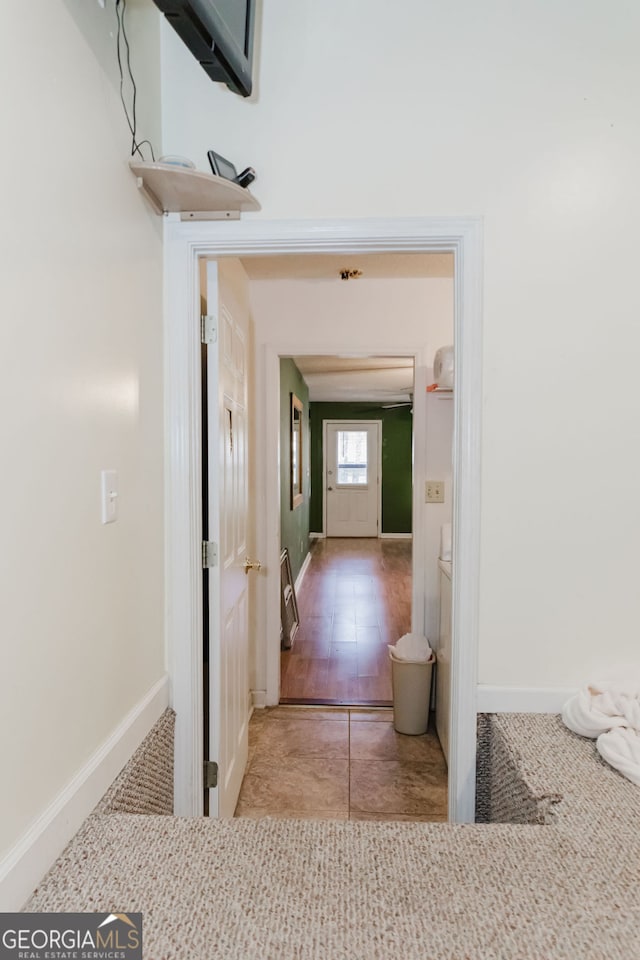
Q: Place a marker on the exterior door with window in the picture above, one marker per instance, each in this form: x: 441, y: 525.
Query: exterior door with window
x: 352, y: 478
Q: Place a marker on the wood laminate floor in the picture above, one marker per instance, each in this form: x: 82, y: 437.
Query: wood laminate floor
x: 355, y: 599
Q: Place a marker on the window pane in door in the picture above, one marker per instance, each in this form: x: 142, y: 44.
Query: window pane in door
x: 352, y: 457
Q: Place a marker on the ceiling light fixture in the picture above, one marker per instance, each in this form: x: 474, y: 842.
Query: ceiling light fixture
x: 349, y: 274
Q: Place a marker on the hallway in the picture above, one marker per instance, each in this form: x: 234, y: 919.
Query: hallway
x: 330, y: 751
x: 355, y: 598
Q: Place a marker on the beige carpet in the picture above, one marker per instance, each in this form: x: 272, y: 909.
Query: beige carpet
x: 328, y: 890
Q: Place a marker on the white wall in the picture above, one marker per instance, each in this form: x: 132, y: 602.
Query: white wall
x: 330, y: 316
x: 378, y: 315
x: 81, y: 382
x: 525, y: 114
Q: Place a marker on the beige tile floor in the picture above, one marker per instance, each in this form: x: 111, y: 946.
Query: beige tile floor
x: 344, y: 763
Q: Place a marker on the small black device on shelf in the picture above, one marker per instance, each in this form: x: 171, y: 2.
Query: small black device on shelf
x: 246, y: 177
x: 222, y: 167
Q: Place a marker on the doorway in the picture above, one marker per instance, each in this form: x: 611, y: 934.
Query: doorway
x: 353, y: 568
x: 186, y: 242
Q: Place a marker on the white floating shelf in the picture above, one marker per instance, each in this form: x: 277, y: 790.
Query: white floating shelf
x: 191, y: 193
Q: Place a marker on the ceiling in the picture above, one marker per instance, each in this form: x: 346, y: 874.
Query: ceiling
x: 374, y: 266
x: 344, y: 379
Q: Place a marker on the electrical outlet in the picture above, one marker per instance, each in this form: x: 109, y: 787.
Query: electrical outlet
x: 434, y: 491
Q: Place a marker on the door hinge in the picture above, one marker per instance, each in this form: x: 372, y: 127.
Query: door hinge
x: 208, y: 328
x: 209, y: 554
x: 210, y: 774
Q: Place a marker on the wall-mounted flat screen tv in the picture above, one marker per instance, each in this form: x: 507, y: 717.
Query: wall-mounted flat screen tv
x: 219, y: 33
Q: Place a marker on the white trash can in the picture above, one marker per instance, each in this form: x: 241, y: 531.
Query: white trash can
x: 411, y: 682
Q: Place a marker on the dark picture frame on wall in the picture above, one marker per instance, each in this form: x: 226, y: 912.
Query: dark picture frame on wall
x: 296, y: 452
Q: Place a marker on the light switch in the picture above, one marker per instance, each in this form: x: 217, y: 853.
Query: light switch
x: 109, y: 495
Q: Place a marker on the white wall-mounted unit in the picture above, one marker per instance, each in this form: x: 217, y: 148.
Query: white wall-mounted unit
x: 443, y: 368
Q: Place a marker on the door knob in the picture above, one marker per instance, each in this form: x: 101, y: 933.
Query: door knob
x: 329, y: 488
x: 251, y: 565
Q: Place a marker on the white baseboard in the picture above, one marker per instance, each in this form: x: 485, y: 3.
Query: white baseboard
x: 317, y: 536
x: 303, y: 570
x: 522, y: 699
x: 258, y: 699
x: 27, y: 862
x: 396, y: 536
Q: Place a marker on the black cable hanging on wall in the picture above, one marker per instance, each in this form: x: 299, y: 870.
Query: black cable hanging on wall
x: 132, y: 121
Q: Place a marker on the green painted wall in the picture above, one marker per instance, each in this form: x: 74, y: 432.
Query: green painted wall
x: 294, y: 524
x: 397, y: 426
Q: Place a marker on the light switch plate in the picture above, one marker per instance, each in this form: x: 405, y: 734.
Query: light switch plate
x: 109, y: 495
x: 434, y: 491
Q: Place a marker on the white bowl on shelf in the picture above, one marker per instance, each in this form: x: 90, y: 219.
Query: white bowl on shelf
x: 174, y: 161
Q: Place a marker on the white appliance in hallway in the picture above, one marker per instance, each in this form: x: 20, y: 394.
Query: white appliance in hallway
x: 443, y: 667
x: 352, y: 478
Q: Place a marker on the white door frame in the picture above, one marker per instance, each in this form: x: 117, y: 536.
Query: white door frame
x: 185, y: 243
x: 325, y: 425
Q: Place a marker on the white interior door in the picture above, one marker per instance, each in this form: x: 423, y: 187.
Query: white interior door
x: 352, y: 478
x: 227, y: 303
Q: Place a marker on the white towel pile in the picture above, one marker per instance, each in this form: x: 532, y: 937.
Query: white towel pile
x: 609, y: 713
